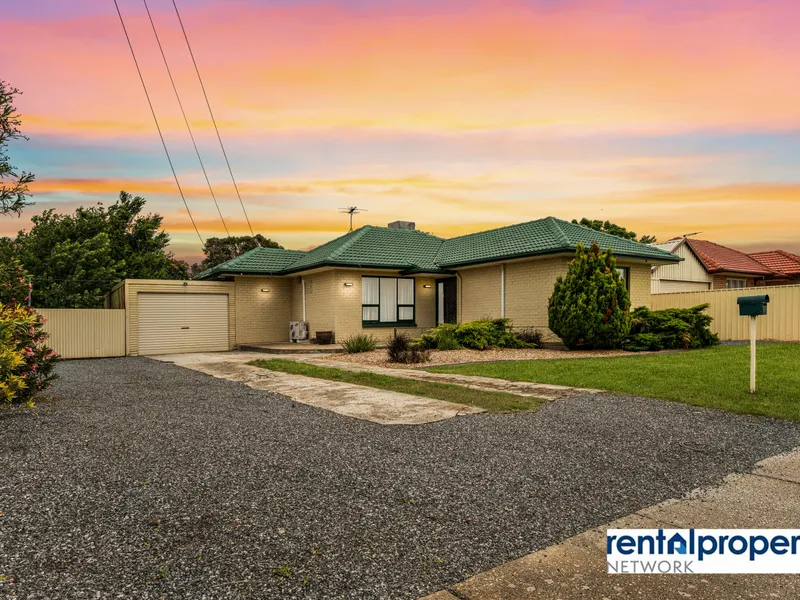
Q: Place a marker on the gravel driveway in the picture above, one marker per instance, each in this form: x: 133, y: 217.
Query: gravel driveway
x: 142, y: 479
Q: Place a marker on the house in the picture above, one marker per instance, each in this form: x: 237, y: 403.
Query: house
x: 705, y: 266
x: 372, y: 280
x: 785, y: 265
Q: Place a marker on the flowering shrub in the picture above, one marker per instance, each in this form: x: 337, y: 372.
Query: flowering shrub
x: 14, y: 283
x: 26, y: 363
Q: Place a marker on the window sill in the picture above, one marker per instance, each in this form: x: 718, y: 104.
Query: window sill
x: 394, y: 324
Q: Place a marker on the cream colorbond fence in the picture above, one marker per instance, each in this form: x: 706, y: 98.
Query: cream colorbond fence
x: 85, y: 333
x: 782, y: 321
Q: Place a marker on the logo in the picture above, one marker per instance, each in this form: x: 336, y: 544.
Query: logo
x: 686, y: 551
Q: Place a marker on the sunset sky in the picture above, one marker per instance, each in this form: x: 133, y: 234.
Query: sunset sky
x: 665, y: 116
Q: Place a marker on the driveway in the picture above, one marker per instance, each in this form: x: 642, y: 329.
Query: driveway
x: 144, y: 479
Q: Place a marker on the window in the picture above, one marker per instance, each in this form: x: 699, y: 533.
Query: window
x: 387, y: 300
x: 625, y: 275
x: 735, y: 283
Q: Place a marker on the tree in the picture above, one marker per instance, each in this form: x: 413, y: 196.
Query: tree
x: 74, y: 260
x: 590, y: 305
x: 14, y: 191
x: 614, y: 229
x: 220, y: 250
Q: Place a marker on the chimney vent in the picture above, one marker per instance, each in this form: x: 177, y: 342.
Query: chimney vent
x: 402, y: 225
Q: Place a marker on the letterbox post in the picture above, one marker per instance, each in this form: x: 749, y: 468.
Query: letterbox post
x: 753, y: 355
x: 752, y: 306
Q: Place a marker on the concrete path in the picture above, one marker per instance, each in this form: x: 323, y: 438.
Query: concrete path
x: 370, y: 404
x: 521, y: 388
x: 768, y: 497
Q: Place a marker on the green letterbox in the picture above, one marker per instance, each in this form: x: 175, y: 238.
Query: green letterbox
x: 752, y: 306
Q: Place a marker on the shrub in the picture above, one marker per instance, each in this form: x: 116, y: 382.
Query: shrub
x: 672, y: 328
x: 590, y: 305
x: 359, y: 343
x: 26, y: 363
x: 531, y: 337
x: 448, y: 341
x: 402, y: 349
x: 488, y: 333
x: 14, y: 283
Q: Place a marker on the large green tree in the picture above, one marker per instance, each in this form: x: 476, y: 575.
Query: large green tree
x: 14, y: 193
x: 75, y: 259
x: 590, y: 305
x: 614, y: 229
x: 219, y: 250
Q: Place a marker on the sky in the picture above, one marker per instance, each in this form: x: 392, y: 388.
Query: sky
x: 668, y: 117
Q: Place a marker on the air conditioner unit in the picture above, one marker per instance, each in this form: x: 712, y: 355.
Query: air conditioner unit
x: 298, y: 330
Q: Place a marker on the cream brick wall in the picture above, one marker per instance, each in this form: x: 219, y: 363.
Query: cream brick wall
x: 132, y: 287
x: 263, y: 316
x: 529, y: 285
x: 640, y: 284
x: 332, y: 306
x: 479, y: 293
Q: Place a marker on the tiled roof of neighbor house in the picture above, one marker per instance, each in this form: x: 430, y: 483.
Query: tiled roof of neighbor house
x: 259, y: 261
x: 379, y: 247
x: 544, y: 236
x: 718, y: 259
x: 413, y: 251
x: 779, y: 260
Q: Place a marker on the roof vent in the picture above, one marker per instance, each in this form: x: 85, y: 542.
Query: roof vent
x: 402, y: 225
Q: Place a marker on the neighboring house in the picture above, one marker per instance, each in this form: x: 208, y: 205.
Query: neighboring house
x: 707, y: 265
x: 785, y: 265
x: 371, y: 280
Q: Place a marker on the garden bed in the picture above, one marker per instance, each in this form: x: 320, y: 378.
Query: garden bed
x: 450, y: 357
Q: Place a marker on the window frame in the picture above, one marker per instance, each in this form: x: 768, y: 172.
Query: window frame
x: 742, y: 280
x: 398, y: 322
x: 627, y: 277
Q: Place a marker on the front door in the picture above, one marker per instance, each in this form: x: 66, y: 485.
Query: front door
x: 446, y: 292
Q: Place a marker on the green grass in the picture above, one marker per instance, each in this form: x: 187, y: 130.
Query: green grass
x: 493, y: 402
x: 714, y: 377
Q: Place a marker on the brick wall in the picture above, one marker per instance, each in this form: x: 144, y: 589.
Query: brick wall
x: 479, y: 293
x: 322, y: 301
x: 640, y: 287
x: 263, y: 316
x: 529, y: 285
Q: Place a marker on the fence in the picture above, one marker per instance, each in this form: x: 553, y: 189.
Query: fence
x: 85, y: 333
x: 782, y: 321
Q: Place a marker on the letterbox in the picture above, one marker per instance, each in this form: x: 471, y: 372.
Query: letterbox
x: 752, y: 306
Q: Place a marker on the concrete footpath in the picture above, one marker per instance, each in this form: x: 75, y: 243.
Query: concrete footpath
x: 766, y: 498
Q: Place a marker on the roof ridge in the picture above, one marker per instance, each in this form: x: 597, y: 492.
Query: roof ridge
x: 357, y: 235
x: 555, y: 224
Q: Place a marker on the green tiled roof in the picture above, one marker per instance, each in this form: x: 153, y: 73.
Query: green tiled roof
x: 258, y: 261
x: 544, y: 236
x: 378, y: 247
x: 416, y: 252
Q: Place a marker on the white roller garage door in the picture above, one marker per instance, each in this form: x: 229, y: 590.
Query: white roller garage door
x: 171, y: 323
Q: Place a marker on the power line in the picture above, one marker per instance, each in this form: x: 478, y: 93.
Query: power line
x: 213, y: 120
x: 185, y: 120
x: 160, y: 135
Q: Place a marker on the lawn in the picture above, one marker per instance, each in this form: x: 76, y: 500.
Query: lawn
x: 493, y: 402
x: 714, y: 377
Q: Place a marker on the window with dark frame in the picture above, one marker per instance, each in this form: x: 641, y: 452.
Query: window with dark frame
x: 387, y: 301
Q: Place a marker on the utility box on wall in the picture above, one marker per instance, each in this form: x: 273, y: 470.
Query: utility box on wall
x: 752, y: 306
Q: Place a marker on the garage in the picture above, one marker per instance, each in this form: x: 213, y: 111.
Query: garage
x: 170, y: 323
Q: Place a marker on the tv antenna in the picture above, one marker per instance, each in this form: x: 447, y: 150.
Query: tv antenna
x: 352, y: 210
x: 686, y: 235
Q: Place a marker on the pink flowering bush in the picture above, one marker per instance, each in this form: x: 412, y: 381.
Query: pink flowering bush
x: 26, y: 363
